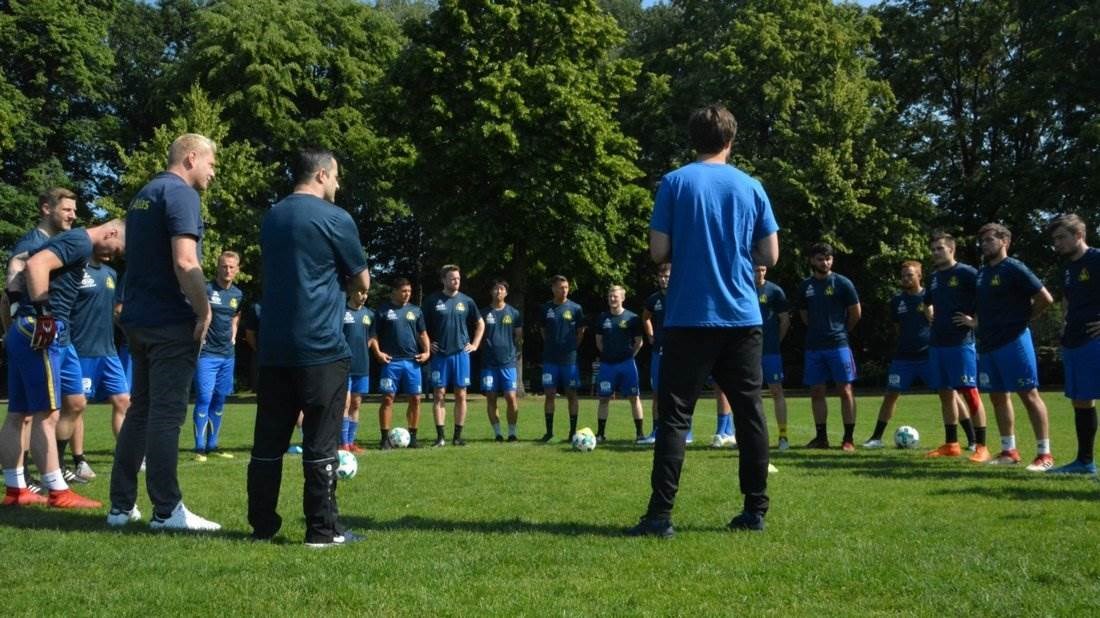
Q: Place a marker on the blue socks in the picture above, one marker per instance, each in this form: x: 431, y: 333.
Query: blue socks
x: 344, y: 430
x: 725, y: 424
x: 353, y: 428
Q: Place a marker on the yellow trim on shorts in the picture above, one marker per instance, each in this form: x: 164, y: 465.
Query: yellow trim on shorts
x: 50, y: 389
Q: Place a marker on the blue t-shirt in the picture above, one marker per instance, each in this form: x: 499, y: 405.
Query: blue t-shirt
x: 914, y: 330
x: 559, y: 331
x: 617, y: 333
x: 398, y: 329
x: 1082, y: 291
x: 951, y: 291
x: 773, y: 303
x: 655, y: 305
x: 93, y: 316
x: 498, y: 344
x: 713, y: 214
x: 225, y: 304
x: 1004, y: 302
x: 309, y: 248
x: 450, y: 320
x: 165, y: 208
x: 826, y: 303
x: 358, y: 330
x: 74, y: 249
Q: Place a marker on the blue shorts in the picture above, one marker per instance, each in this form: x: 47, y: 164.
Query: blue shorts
x: 37, y: 379
x: 558, y: 377
x: 498, y: 380
x: 953, y: 367
x: 773, y: 369
x: 903, y: 372
x: 451, y: 370
x: 654, y: 370
x: 1082, y: 366
x: 821, y: 366
x: 359, y: 385
x: 401, y: 375
x: 103, y: 377
x: 214, y: 376
x: 620, y: 377
x: 1009, y: 368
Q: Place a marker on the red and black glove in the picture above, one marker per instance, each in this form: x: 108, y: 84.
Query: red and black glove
x: 45, y: 327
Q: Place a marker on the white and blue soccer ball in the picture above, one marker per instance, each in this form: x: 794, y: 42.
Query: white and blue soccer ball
x: 906, y: 437
x: 399, y: 437
x: 347, y: 465
x: 584, y: 440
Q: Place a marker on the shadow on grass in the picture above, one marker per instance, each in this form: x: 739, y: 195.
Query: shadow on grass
x: 514, y: 525
x: 92, y: 521
x: 899, y: 467
x: 1087, y: 492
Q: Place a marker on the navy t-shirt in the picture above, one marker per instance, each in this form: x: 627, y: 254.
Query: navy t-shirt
x: 713, y: 214
x: 309, y: 248
x: 450, y: 320
x: 225, y: 304
x: 826, y: 303
x: 655, y: 304
x: 498, y: 345
x: 617, y: 333
x: 951, y: 291
x: 914, y: 330
x: 74, y: 249
x: 1081, y: 287
x: 398, y: 329
x: 773, y: 303
x: 165, y: 208
x: 1004, y: 302
x: 559, y: 328
x: 30, y: 241
x: 92, y: 324
x: 250, y: 320
x: 358, y: 330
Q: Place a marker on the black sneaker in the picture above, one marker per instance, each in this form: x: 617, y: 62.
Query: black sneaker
x: 386, y: 444
x: 34, y: 485
x: 600, y: 438
x: 72, y: 477
x: 458, y: 442
x: 439, y: 442
x: 347, y: 538
x: 499, y: 438
x: 660, y: 528
x: 513, y: 439
x: 546, y: 437
x: 413, y: 443
x: 747, y: 521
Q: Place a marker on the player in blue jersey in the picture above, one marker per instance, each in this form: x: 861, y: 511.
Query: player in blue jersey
x: 1009, y: 296
x: 829, y: 306
x: 358, y: 331
x: 561, y: 322
x: 618, y: 339
x: 42, y: 363
x: 217, y: 360
x: 775, y: 312
x: 653, y: 319
x: 500, y: 351
x: 401, y: 345
x: 455, y: 328
x: 1080, y: 335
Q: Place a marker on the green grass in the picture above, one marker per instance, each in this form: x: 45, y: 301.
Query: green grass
x: 530, y: 529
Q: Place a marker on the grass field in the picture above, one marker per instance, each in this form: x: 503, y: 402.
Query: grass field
x: 530, y: 529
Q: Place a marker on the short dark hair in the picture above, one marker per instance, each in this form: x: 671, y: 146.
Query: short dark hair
x: 448, y: 268
x: 310, y: 160
x: 997, y: 229
x: 500, y: 282
x: 52, y: 197
x: 939, y: 235
x: 558, y: 279
x: 401, y: 282
x: 1070, y: 222
x: 821, y: 248
x: 711, y: 129
x: 664, y: 266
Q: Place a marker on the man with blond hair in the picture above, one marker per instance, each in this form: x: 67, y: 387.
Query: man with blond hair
x: 217, y: 361
x: 618, y: 339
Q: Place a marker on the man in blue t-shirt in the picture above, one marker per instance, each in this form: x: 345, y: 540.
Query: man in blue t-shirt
x: 40, y: 354
x: 1081, y: 334
x: 714, y: 223
x: 561, y: 322
x: 401, y: 345
x: 500, y: 346
x: 217, y: 361
x: 450, y: 316
x: 829, y: 306
x: 358, y: 331
x: 618, y: 339
x: 310, y: 247
x: 1009, y: 296
x: 775, y: 312
x: 653, y: 319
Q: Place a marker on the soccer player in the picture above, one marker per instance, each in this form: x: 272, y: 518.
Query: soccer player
x: 358, y: 331
x: 775, y: 312
x: 714, y: 222
x: 562, y: 328
x: 39, y: 353
x: 500, y: 346
x: 218, y: 359
x: 309, y: 248
x: 618, y: 339
x: 653, y: 318
x: 1081, y: 335
x: 829, y: 306
x: 165, y: 315
x: 1009, y: 296
x: 450, y: 315
x: 401, y: 344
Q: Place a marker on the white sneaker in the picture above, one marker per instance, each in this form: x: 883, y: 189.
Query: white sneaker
x: 182, y: 519
x: 142, y: 468
x: 717, y: 441
x: 729, y: 441
x: 84, y: 470
x: 772, y: 469
x: 118, y: 519
x: 874, y: 444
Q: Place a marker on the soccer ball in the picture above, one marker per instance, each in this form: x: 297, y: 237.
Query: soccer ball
x: 906, y: 437
x: 348, y: 465
x: 399, y: 437
x: 584, y: 440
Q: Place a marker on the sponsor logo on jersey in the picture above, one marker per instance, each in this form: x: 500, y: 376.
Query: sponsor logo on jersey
x: 440, y: 306
x: 215, y: 298
x: 607, y: 324
x: 490, y: 318
x: 87, y: 281
x: 139, y: 204
x: 391, y: 315
x: 349, y: 318
x: 550, y: 315
x: 809, y: 291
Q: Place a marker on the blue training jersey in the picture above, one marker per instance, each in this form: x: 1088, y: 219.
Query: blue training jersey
x: 914, y: 329
x: 773, y: 303
x: 74, y: 249
x: 398, y: 329
x: 1081, y: 287
x: 950, y: 291
x: 617, y: 334
x: 498, y: 345
x: 559, y: 329
x: 1004, y: 302
x: 450, y: 320
x: 826, y: 303
x: 358, y: 330
x: 92, y: 325
x: 655, y: 304
x: 225, y: 304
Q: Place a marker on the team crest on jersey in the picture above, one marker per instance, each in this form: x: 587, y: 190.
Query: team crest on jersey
x: 460, y: 307
x: 763, y: 299
x: 110, y: 282
x: 953, y: 282
x: 507, y: 319
x: 920, y: 308
x: 366, y: 320
x: 233, y: 303
x: 996, y: 280
x: 622, y: 324
x: 215, y: 298
x: 1084, y: 276
x: 410, y: 316
x: 349, y: 318
x: 567, y: 315
x: 829, y: 291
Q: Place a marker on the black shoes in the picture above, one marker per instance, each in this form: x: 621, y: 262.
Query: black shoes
x: 753, y: 522
x: 660, y: 528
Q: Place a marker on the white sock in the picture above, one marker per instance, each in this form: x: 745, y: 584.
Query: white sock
x: 1008, y: 443
x: 1043, y: 446
x: 13, y: 477
x: 54, y: 481
x: 496, y: 429
x: 511, y: 429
